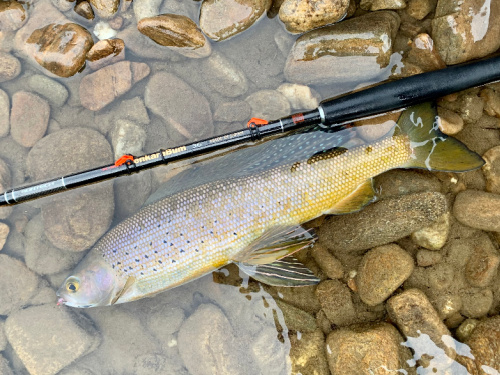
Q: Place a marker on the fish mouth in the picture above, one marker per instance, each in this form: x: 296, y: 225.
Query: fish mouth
x: 61, y: 301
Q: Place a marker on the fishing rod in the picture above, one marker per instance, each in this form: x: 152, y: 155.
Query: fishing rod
x: 331, y: 112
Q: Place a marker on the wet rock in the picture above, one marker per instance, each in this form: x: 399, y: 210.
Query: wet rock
x: 307, y: 354
x: 424, y: 54
x: 55, y: 92
x: 116, y: 23
x: 366, y: 350
x: 412, y: 312
x: 165, y: 313
x: 376, y: 127
x: 208, y: 336
x: 297, y: 319
x: 402, y: 182
x: 336, y: 301
x: 381, y: 272
x: 105, y: 8
x: 127, y: 138
x: 419, y: 9
x: 17, y: 284
x: 465, y: 30
x: 102, y: 30
x: 3, y: 338
x: 146, y: 8
x: 304, y: 297
x: 10, y: 67
x: 145, y: 47
x: 177, y: 32
x: 451, y: 122
x: 233, y: 111
x: 300, y: 16
x: 482, y: 266
x: 31, y: 334
x: 330, y: 265
x: 434, y: 236
x: 465, y: 329
x: 106, y: 52
x: 383, y: 222
x: 63, y: 5
x: 4, y: 367
x: 471, y: 108
x: 4, y: 114
x: 327, y: 55
x: 61, y: 49
x: 476, y: 302
x: 102, y: 87
x: 12, y: 15
x: 151, y: 364
x: 29, y: 118
x: 269, y: 353
x: 84, y: 9
x: 427, y: 258
x: 491, y: 169
x: 188, y: 111
x: 478, y: 209
x: 374, y: 5
x: 269, y: 104
x: 4, y: 233
x: 222, y: 19
x: 491, y: 101
x: 224, y: 76
x: 131, y: 193
x: 300, y: 96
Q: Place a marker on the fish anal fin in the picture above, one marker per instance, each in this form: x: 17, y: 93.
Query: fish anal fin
x: 130, y: 281
x: 359, y: 198
x: 284, y: 272
x: 276, y: 243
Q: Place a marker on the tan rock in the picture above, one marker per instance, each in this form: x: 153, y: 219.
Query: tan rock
x: 374, y: 5
x: 478, y: 209
x: 330, y: 265
x: 268, y: 104
x: 84, y: 9
x: 426, y: 258
x: 492, y: 101
x: 102, y: 87
x: 61, y: 49
x: 307, y: 354
x: 4, y: 232
x: 12, y: 15
x: 29, y: 118
x: 10, y: 67
x: 418, y: 9
x: 105, y: 8
x: 424, y: 54
x: 482, y: 266
x: 476, y: 302
x: 4, y: 114
x: 300, y: 96
x: 491, y: 169
x: 434, y: 236
x: 336, y: 301
x: 450, y: 122
x: 106, y: 52
x: 303, y: 15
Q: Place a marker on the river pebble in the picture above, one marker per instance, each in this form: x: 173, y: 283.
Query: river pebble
x: 327, y: 55
x: 4, y: 114
x: 31, y: 334
x: 105, y: 8
x: 330, y: 265
x: 17, y: 284
x: 188, y: 111
x: 482, y: 266
x: 466, y: 30
x: 145, y: 47
x: 127, y: 138
x: 4, y: 233
x: 362, y: 349
x: 476, y: 302
x: 434, y: 236
x: 304, y: 297
x: 224, y: 76
x: 222, y: 19
x: 300, y: 96
x: 102, y: 87
x: 382, y: 222
x: 106, y: 52
x: 423, y: 54
x: 336, y: 301
x: 382, y: 270
x: 399, y: 182
x: 268, y: 104
x: 269, y: 353
x: 3, y: 337
x: 301, y: 15
x: 451, y: 123
x: 12, y: 15
x: 84, y: 9
x: 4, y: 366
x: 177, y: 32
x: 29, y: 118
x: 478, y: 209
x: 5, y: 184
x: 491, y: 101
x: 374, y: 5
x: 233, y: 111
x: 426, y: 258
x: 414, y: 315
x: 297, y: 319
x: 61, y: 49
x: 491, y: 169
x: 419, y: 9
x: 307, y: 354
x: 10, y: 67
x: 56, y: 93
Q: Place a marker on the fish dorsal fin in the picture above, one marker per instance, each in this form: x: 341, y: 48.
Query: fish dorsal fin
x: 275, y: 244
x: 284, y: 272
x: 128, y: 284
x: 359, y: 198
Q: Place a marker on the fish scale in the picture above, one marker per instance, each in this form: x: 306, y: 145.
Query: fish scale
x: 199, y: 230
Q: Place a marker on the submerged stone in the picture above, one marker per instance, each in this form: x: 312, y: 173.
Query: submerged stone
x: 29, y: 118
x: 12, y: 15
x: 105, y: 8
x: 10, y: 67
x: 106, y: 52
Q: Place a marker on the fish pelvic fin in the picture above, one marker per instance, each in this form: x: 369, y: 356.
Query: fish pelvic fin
x: 130, y: 281
x: 432, y: 149
x: 284, y: 272
x: 276, y: 243
x: 355, y: 201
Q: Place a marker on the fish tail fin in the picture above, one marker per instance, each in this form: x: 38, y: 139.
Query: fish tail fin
x: 432, y: 149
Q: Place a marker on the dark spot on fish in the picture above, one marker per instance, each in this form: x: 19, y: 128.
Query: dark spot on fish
x: 166, y: 233
x: 150, y: 244
x: 137, y: 260
x: 202, y: 241
x: 181, y: 234
x: 118, y: 263
x: 164, y: 241
x: 235, y: 233
x: 159, y: 261
x: 124, y: 270
x: 196, y: 250
x: 114, y: 250
x: 368, y: 149
x: 156, y: 251
x: 142, y: 273
x: 182, y: 251
x: 126, y: 253
x: 171, y: 244
x: 295, y: 166
x: 173, y: 261
x: 187, y: 241
x: 146, y: 256
x: 159, y: 225
x: 113, y: 266
x: 154, y: 269
x: 211, y: 232
x: 129, y: 267
x: 135, y: 247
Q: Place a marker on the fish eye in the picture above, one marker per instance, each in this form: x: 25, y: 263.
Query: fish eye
x: 72, y: 285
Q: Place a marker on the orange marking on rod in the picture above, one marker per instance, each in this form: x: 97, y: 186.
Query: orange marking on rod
x: 123, y: 160
x: 257, y: 121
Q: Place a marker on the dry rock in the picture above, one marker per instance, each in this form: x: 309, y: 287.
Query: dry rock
x: 381, y: 272
x: 177, y: 32
x: 84, y: 9
x: 224, y: 76
x: 451, y: 122
x: 106, y: 52
x: 307, y: 354
x: 105, y: 8
x: 491, y: 169
x: 29, y: 118
x: 434, y: 236
x: 61, y: 49
x: 426, y: 258
x: 301, y: 15
x: 466, y: 30
x: 383, y: 222
x: 12, y: 15
x: 300, y: 96
x: 17, y: 284
x: 327, y: 55
x: 268, y: 104
x: 375, y: 349
x: 478, y: 209
x: 330, y: 265
x: 336, y: 301
x: 222, y: 19
x: 4, y: 233
x: 102, y: 87
x: 10, y: 67
x: 297, y: 319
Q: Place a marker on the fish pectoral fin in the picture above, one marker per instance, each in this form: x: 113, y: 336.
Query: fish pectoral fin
x: 128, y: 284
x: 275, y: 244
x: 284, y: 272
x: 359, y: 198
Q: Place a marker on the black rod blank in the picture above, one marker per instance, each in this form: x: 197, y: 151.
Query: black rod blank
x: 375, y: 100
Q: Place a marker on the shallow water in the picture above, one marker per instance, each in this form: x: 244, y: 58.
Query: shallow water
x: 226, y: 322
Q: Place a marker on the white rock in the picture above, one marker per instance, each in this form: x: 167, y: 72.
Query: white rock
x: 102, y: 30
x: 433, y: 237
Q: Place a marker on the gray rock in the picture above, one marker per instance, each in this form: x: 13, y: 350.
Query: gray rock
x: 307, y: 354
x: 327, y: 55
x: 161, y: 313
x: 478, y: 209
x: 4, y: 367
x: 224, y: 76
x: 4, y: 233
x: 3, y: 337
x: 131, y: 192
x: 29, y: 118
x: 12, y: 16
x: 233, y: 111
x: 382, y: 222
x: 127, y: 138
x: 5, y: 184
x: 31, y: 334
x: 146, y: 8
x: 133, y: 110
x: 188, y: 112
x: 268, y: 104
x: 42, y: 256
x: 55, y: 92
x: 151, y: 364
x: 336, y: 301
x: 17, y: 284
x: 10, y: 67
x: 4, y: 114
x: 268, y: 352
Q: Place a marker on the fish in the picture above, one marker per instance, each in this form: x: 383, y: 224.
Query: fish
x: 248, y: 206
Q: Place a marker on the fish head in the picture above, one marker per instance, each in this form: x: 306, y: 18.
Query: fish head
x: 92, y: 283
